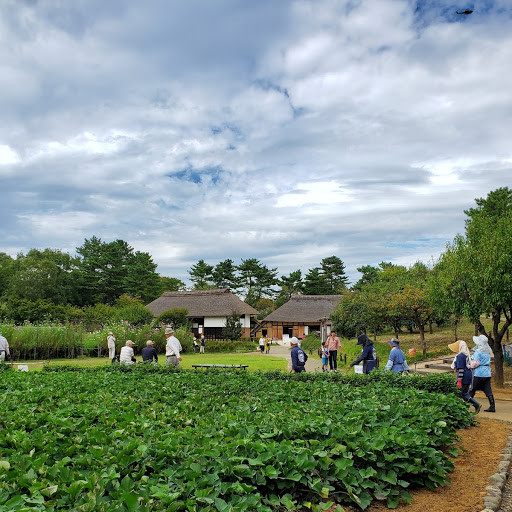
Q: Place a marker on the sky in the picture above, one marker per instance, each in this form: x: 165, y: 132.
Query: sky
x: 287, y: 131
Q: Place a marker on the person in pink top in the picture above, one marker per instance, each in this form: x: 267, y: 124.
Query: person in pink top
x: 333, y: 345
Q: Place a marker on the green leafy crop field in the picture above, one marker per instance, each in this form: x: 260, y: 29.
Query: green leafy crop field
x: 107, y: 440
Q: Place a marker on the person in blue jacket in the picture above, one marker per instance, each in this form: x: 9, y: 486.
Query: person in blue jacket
x: 482, y: 373
x: 368, y: 355
x: 396, y: 362
x: 462, y: 365
x: 299, y: 357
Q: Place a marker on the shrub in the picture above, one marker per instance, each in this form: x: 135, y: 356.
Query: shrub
x: 176, y: 317
x: 134, y: 314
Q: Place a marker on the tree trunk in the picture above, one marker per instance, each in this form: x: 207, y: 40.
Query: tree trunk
x: 430, y: 327
x: 455, y: 326
x: 495, y: 338
x: 423, y: 341
x: 375, y: 335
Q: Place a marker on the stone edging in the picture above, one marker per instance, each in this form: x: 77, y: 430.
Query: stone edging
x: 498, y: 480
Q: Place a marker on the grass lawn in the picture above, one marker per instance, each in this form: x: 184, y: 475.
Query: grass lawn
x: 255, y: 361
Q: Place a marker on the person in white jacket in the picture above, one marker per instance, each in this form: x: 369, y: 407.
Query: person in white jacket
x: 172, y: 348
x: 127, y: 355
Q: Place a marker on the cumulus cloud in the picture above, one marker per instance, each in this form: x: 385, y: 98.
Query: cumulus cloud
x: 287, y: 131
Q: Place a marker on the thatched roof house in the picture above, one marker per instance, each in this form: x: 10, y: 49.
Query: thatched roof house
x: 208, y: 309
x: 301, y: 315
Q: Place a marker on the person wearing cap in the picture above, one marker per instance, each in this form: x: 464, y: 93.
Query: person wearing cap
x: 396, y: 362
x: 203, y: 344
x: 127, y: 355
x: 333, y: 345
x: 149, y: 353
x: 462, y: 365
x: 298, y: 355
x: 368, y: 354
x: 111, y: 344
x: 482, y: 370
x: 4, y: 348
x: 172, y: 348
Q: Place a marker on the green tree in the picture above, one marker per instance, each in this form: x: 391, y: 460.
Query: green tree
x: 233, y: 329
x: 142, y: 279
x: 257, y: 279
x: 475, y: 271
x: 334, y: 271
x: 369, y: 276
x: 177, y: 317
x: 201, y: 275
x: 224, y: 275
x: 290, y: 285
x: 107, y: 270
x: 315, y: 283
x: 171, y: 284
x: 48, y: 275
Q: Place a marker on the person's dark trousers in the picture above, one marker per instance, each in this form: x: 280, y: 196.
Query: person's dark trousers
x: 465, y: 395
x: 484, y: 384
x: 333, y: 359
x: 300, y: 369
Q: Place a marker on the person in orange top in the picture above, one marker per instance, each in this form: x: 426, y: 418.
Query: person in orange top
x: 333, y: 345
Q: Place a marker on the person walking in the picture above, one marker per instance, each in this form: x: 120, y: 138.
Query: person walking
x: 333, y: 345
x: 172, y: 348
x: 482, y: 370
x: 203, y: 344
x: 4, y: 348
x: 298, y: 356
x: 368, y: 354
x: 149, y: 353
x: 397, y: 362
x: 267, y: 345
x: 111, y: 344
x: 462, y: 365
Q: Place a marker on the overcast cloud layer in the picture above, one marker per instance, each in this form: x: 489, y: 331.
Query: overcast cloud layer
x: 286, y: 130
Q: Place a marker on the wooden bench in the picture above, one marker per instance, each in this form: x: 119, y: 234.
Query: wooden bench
x: 243, y: 366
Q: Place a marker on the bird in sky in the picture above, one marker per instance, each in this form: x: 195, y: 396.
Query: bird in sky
x: 467, y: 11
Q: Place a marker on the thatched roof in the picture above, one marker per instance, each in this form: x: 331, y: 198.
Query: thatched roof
x: 220, y: 302
x: 305, y: 308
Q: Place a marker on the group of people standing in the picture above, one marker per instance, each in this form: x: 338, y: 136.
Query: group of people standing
x: 473, y: 371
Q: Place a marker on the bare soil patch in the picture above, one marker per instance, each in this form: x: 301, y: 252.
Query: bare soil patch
x: 484, y: 444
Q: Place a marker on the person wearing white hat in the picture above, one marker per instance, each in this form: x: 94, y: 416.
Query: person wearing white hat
x: 482, y: 370
x: 172, y: 348
x: 127, y: 355
x: 111, y: 344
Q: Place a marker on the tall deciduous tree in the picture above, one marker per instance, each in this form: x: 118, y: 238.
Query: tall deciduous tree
x: 48, y: 274
x: 475, y: 271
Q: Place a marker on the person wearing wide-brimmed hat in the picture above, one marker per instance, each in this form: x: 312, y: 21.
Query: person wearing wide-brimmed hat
x: 482, y: 370
x: 396, y: 362
x: 462, y: 365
